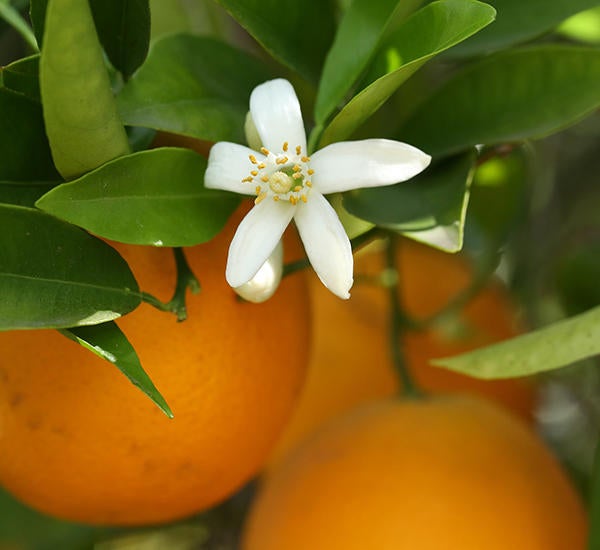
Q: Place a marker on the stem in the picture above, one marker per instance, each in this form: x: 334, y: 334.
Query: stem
x: 356, y: 243
x: 185, y: 279
x: 397, y: 323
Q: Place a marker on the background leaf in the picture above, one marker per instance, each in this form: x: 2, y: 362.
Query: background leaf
x: 546, y: 349
x: 22, y: 76
x: 24, y: 193
x: 297, y: 34
x: 430, y: 208
x: 519, y: 21
x: 123, y: 28
x: 154, y: 197
x: 54, y: 275
x: 37, y: 14
x: 25, y: 149
x: 82, y: 124
x: 12, y: 16
x: 359, y: 34
x: 511, y: 96
x: 194, y: 86
x: 429, y: 31
x: 108, y: 342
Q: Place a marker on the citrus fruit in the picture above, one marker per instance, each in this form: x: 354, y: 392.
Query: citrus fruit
x: 78, y: 441
x: 350, y: 360
x: 451, y: 473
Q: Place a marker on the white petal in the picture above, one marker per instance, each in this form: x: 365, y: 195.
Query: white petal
x: 255, y: 239
x: 326, y: 244
x: 368, y: 163
x: 228, y: 165
x: 264, y: 284
x: 276, y: 114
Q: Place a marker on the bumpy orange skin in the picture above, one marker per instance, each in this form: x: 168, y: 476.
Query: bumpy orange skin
x: 451, y: 473
x: 78, y: 441
x: 350, y: 359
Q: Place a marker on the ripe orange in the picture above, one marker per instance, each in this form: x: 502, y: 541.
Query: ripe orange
x: 78, y: 441
x: 451, y: 473
x: 350, y: 360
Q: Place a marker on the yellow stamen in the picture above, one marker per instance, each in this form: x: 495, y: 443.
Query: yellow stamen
x: 308, y: 183
x: 248, y: 179
x: 304, y: 198
x: 258, y: 189
x: 260, y: 198
x: 281, y: 160
x: 252, y: 159
x: 261, y: 165
x: 293, y: 199
x: 276, y: 198
x: 285, y: 146
x: 264, y: 151
x: 296, y: 168
x: 265, y: 179
x: 298, y: 149
x: 297, y: 175
x: 297, y: 188
x: 305, y: 159
x: 254, y: 172
x: 311, y: 172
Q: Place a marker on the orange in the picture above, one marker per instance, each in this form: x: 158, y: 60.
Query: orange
x: 446, y: 473
x: 78, y: 441
x: 350, y: 359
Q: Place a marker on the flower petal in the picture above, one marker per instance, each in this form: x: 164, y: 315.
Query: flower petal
x: 326, y: 243
x: 264, y: 284
x: 276, y: 114
x: 228, y: 165
x: 368, y: 163
x: 255, y: 239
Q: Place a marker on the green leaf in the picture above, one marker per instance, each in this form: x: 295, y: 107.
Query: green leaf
x: 54, y: 275
x: 123, y: 28
x: 295, y: 33
x: 22, y: 76
x: 546, y: 349
x: 24, y: 193
x: 577, y: 276
x: 510, y: 96
x: 154, y: 197
x: 15, y: 20
x: 25, y: 150
x: 428, y: 32
x: 81, y: 118
x: 584, y: 26
x: 358, y: 36
x: 520, y: 20
x: 108, y: 342
x: 194, y: 86
x: 37, y: 14
x: 430, y: 208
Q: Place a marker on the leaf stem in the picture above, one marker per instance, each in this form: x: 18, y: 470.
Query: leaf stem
x: 397, y: 323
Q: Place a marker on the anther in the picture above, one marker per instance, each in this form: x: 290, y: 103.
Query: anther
x: 261, y: 166
x: 254, y: 172
x: 260, y: 198
x: 296, y: 168
x: 293, y: 199
x: 304, y: 198
x: 285, y: 146
x: 298, y: 188
x: 276, y: 198
x: 265, y: 179
x: 297, y: 175
x: 258, y: 189
x: 308, y: 183
x: 305, y: 159
x: 298, y: 149
x: 248, y: 179
x: 252, y: 159
x: 264, y: 151
x: 281, y: 160
x: 310, y: 171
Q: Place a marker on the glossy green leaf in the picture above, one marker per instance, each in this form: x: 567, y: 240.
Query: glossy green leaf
x: 37, y: 14
x: 123, y: 27
x: 428, y: 32
x: 359, y: 34
x: 546, y: 349
x: 25, y: 150
x: 430, y: 208
x: 54, y: 275
x: 584, y: 26
x: 108, y: 342
x: 16, y: 21
x: 153, y: 197
x: 195, y: 86
x: 510, y: 96
x: 22, y: 76
x: 520, y: 20
x: 295, y: 33
x: 82, y: 123
x: 24, y: 193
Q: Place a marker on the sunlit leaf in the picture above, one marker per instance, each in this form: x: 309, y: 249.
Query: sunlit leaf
x: 195, y: 86
x: 54, y: 275
x: 428, y: 32
x: 546, y: 349
x: 153, y: 197
x: 81, y: 118
x: 108, y: 342
x: 510, y: 96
